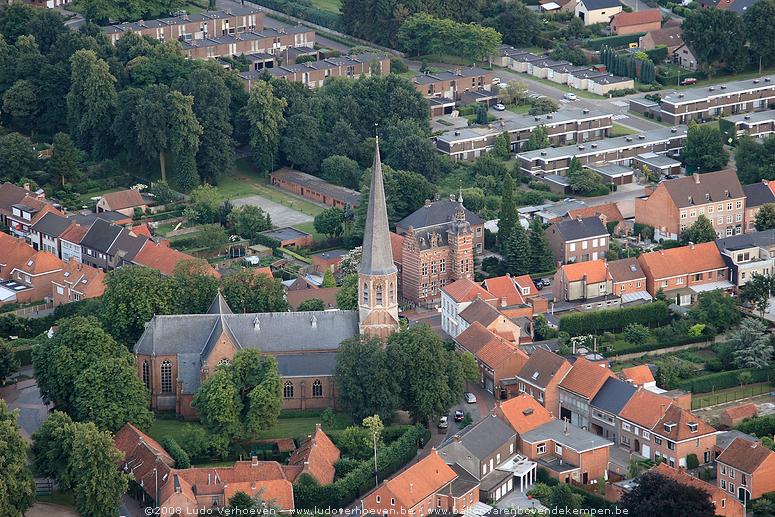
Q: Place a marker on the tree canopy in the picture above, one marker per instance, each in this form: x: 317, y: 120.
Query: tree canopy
x: 656, y: 494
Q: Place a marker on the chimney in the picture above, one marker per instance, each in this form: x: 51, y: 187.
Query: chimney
x: 254, y: 461
x: 565, y: 426
x: 696, y: 178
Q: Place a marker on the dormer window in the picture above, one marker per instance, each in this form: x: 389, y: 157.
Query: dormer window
x: 693, y: 426
x: 535, y: 376
x: 669, y: 427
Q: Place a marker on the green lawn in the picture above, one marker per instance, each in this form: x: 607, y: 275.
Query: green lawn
x: 620, y: 130
x: 522, y: 109
x: 60, y: 498
x: 327, y: 5
x: 86, y: 198
x: 296, y: 427
x: 729, y: 395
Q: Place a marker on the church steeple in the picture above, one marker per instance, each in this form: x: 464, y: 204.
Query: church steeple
x: 377, y: 274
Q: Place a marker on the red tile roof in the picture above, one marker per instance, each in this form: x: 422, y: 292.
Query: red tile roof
x: 465, y: 290
x: 684, y: 260
x: 586, y: 378
x: 504, y: 289
x: 645, y: 408
x: 717, y: 495
x: 142, y: 229
x: 625, y: 19
x: 397, y: 244
x: 162, y: 258
x: 421, y: 480
x: 129, y: 198
x: 317, y: 456
x: 609, y: 211
x: 326, y: 294
x: 595, y: 271
x: 525, y: 282
x: 741, y: 411
x: 523, y: 413
x: 638, y: 375
x: 87, y: 280
x: 744, y: 455
x: 40, y: 263
x: 74, y: 234
x: 16, y: 252
x: 678, y: 422
x: 279, y: 492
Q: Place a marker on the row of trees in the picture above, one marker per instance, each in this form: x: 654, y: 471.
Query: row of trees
x: 423, y: 33
x: 637, y: 66
x: 414, y: 371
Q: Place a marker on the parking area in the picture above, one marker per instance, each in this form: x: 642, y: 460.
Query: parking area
x: 281, y: 215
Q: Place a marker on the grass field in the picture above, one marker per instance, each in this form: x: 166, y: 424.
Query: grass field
x: 620, y: 130
x: 327, y: 5
x: 295, y: 427
x: 729, y: 395
x: 521, y: 109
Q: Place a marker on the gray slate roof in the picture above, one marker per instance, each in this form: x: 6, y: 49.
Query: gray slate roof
x: 377, y: 252
x: 613, y: 396
x: 600, y: 4
x: 756, y: 194
x: 574, y: 229
x: 436, y: 213
x: 478, y: 440
x: 52, y: 224
x: 577, y: 439
x: 305, y: 365
x: 764, y: 239
x: 101, y: 235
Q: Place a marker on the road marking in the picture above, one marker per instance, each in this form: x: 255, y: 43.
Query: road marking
x: 621, y: 104
x: 565, y: 101
x: 620, y: 117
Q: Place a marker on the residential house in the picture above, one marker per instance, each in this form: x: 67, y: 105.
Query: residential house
x: 724, y: 504
x: 10, y: 195
x: 746, y: 470
x: 289, y: 237
x: 426, y: 486
x: 578, y: 388
x: 29, y: 280
x: 620, y: 150
x: 562, y: 127
x: 541, y: 376
x: 612, y: 173
x: 46, y: 231
x: 106, y: 245
x: 517, y: 297
x: 635, y: 22
x: 325, y: 294
x: 597, y: 11
x: 685, y: 272
x: 605, y: 406
x: 496, y: 357
x: 489, y: 318
x: 578, y: 240
x: 455, y: 298
x: 77, y: 282
x: 685, y: 57
x: 568, y: 453
x: 314, y: 188
x: 676, y: 204
x: 756, y: 196
x: 199, y: 26
x: 482, y: 449
x: 678, y: 434
x: 732, y: 416
x: 707, y: 102
x: 452, y: 84
x: 438, y: 246
x: 316, y: 457
x: 628, y: 281
x: 25, y: 213
x: 161, y: 257
x: 124, y: 202
x: 314, y: 73
x: 639, y: 376
x: 523, y: 413
x: 580, y: 79
x: 658, y: 165
x: 541, y: 67
x: 608, y: 213
x: 636, y: 420
x: 668, y: 37
x: 605, y: 84
x: 561, y: 74
x: 196, y: 490
x: 269, y: 40
x: 587, y: 283
x: 70, y: 243
x: 756, y: 125
x: 748, y: 254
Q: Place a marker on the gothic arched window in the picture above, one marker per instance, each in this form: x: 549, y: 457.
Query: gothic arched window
x: 288, y: 390
x: 365, y: 293
x: 378, y: 294
x: 146, y: 375
x: 166, y: 377
x: 317, y: 388
x: 391, y: 294
x: 223, y: 362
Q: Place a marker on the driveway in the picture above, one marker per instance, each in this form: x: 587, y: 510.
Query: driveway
x: 281, y: 215
x: 25, y: 396
x: 47, y: 510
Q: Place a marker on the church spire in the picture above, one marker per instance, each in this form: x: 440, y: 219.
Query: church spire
x: 377, y: 252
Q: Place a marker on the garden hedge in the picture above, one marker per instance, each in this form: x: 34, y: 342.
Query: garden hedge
x: 592, y: 322
x: 723, y: 380
x: 650, y: 347
x: 342, y: 492
x: 182, y: 461
x: 613, y: 41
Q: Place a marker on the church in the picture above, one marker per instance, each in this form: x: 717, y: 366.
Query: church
x: 176, y: 353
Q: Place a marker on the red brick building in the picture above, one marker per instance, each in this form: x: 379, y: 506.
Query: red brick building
x: 635, y: 22
x: 541, y: 376
x: 732, y: 416
x: 314, y: 188
x: 746, y: 470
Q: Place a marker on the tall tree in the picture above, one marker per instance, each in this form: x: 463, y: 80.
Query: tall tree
x: 91, y: 102
x: 212, y: 99
x: 760, y: 30
x: 218, y: 403
x: 300, y: 142
x: 342, y: 171
x: 195, y: 286
x: 539, y: 139
x: 758, y: 290
x: 700, y: 231
x: 17, y: 157
x: 509, y: 218
x: 264, y: 113
x: 20, y: 101
x: 329, y: 221
x: 517, y: 253
x: 704, y: 149
x: 752, y: 345
x: 249, y: 220
x: 17, y: 489
x: 133, y: 295
x: 8, y: 361
x: 540, y: 254
x: 765, y: 218
x: 50, y: 447
x: 247, y: 291
x: 502, y: 148
x: 64, y: 163
x: 347, y: 297
x: 364, y: 380
x: 166, y: 125
x: 656, y: 494
x: 716, y: 36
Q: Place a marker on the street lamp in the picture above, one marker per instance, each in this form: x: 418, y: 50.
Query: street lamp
x: 376, y: 471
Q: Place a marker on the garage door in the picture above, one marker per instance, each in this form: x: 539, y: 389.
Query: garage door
x: 488, y: 385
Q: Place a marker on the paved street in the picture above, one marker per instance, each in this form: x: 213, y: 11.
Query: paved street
x: 25, y: 396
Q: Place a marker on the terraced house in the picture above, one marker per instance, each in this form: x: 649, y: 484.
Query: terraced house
x: 264, y: 41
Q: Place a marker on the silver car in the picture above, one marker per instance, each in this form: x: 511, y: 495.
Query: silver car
x: 470, y: 397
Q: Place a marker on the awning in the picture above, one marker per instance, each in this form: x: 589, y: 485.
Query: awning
x: 712, y: 286
x: 551, y: 6
x: 7, y: 295
x: 634, y: 297
x: 518, y: 465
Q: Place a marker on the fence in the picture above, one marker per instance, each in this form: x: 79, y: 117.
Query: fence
x: 713, y: 399
x: 33, y: 311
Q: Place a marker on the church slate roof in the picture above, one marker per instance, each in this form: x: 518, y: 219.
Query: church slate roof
x: 436, y: 213
x: 377, y: 252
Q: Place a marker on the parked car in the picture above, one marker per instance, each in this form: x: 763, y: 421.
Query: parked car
x: 499, y: 107
x: 570, y: 96
x: 443, y: 422
x: 688, y: 81
x: 539, y: 284
x: 459, y: 415
x: 470, y: 397
x: 496, y: 80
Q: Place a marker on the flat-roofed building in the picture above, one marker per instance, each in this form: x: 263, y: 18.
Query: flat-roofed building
x: 756, y: 125
x: 453, y: 84
x: 269, y: 40
x: 621, y: 150
x: 314, y: 188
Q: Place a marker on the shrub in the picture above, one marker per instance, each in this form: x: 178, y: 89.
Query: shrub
x: 345, y: 465
x: 614, y: 319
x: 542, y: 475
x: 180, y: 456
x: 540, y: 491
x: 691, y: 461
x: 398, y: 66
x: 758, y: 425
x: 613, y: 41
